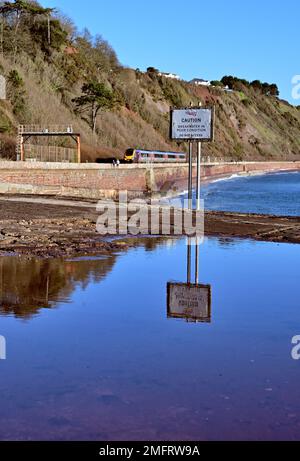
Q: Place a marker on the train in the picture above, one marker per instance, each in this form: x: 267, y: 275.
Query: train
x: 151, y: 156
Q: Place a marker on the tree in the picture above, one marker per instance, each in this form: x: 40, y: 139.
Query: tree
x: 49, y: 38
x: 96, y: 96
x: 265, y: 88
x: 257, y: 85
x: 152, y: 70
x: 228, y: 80
x: 216, y: 83
x: 273, y: 89
x: 16, y: 91
x: 15, y: 11
x: 104, y: 55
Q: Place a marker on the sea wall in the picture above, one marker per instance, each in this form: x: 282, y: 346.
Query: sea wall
x: 96, y: 181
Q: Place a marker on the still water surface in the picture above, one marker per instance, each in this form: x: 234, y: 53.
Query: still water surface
x: 91, y: 353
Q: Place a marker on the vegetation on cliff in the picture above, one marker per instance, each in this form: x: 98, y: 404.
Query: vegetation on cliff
x: 56, y: 75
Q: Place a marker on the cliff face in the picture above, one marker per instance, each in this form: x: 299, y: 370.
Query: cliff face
x: 43, y: 81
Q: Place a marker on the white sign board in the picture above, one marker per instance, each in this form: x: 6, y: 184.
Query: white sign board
x: 190, y: 302
x: 192, y: 124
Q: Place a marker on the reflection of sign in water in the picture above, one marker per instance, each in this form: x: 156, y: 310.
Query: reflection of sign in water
x: 192, y: 124
x: 190, y: 302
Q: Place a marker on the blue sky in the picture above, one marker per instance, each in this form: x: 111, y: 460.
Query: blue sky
x: 197, y: 38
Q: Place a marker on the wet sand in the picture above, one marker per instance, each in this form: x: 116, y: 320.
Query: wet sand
x: 267, y: 228
x: 45, y: 227
x: 49, y: 230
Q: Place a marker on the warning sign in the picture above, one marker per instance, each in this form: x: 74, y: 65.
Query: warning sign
x: 192, y: 124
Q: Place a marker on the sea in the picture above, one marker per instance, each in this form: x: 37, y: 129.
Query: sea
x: 272, y: 193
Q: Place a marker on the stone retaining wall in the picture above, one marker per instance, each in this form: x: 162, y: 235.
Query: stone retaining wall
x: 98, y: 181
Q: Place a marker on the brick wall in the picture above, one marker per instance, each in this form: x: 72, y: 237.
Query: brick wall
x: 97, y: 181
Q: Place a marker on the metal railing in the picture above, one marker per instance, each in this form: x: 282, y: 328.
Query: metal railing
x: 68, y: 129
x: 38, y: 153
x: 210, y: 159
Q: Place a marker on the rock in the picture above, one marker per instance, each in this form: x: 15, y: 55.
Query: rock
x: 8, y: 241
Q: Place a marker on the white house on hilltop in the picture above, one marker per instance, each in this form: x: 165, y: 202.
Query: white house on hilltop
x: 169, y: 75
x: 200, y: 82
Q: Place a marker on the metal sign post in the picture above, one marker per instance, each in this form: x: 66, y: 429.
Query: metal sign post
x: 198, y: 189
x: 189, y: 262
x: 190, y: 184
x: 197, y: 264
x: 187, y: 300
x: 193, y: 124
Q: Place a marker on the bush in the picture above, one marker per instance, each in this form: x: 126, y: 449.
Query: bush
x: 16, y: 92
x: 7, y: 147
x: 247, y: 102
x: 5, y: 123
x: 217, y: 83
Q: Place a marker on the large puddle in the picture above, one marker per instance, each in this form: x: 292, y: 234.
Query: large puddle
x: 92, y: 354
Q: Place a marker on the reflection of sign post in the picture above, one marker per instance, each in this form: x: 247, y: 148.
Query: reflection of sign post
x: 190, y: 302
x: 192, y: 124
